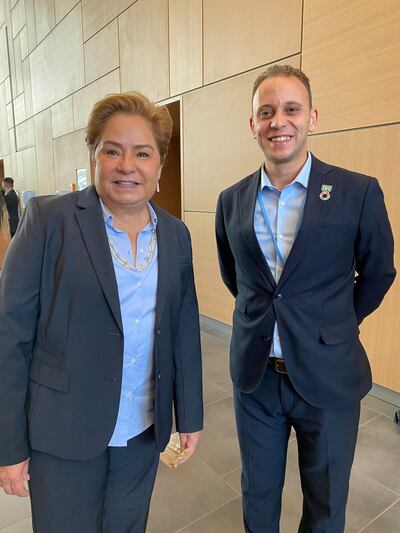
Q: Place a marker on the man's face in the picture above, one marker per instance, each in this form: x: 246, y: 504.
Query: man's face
x: 3, y: 186
x: 282, y: 119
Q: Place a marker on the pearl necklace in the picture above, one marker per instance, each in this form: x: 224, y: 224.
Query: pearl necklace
x: 141, y: 266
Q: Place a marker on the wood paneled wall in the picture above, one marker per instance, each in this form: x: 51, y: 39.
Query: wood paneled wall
x: 370, y: 151
x: 351, y: 52
x: 66, y: 54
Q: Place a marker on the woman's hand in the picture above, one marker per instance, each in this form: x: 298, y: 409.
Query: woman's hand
x: 188, y: 445
x: 13, y: 478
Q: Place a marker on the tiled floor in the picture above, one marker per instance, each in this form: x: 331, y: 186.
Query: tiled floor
x: 203, y: 496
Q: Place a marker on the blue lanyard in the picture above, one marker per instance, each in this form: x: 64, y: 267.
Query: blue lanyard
x: 264, y: 212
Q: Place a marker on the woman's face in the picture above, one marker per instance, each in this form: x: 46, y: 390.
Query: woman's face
x: 127, y: 163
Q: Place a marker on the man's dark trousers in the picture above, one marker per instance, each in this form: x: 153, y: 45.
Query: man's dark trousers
x: 326, y: 443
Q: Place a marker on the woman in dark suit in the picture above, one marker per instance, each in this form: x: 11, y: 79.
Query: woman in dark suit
x: 99, y: 335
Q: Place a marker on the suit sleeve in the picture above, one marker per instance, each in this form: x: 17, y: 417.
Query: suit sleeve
x: 19, y: 308
x: 188, y: 393
x: 225, y: 255
x: 7, y: 201
x: 374, y: 253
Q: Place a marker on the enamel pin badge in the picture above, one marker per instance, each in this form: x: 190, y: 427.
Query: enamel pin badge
x: 325, y: 193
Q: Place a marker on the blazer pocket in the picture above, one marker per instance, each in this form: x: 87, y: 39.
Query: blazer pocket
x: 241, y: 307
x: 342, y: 332
x: 49, y: 376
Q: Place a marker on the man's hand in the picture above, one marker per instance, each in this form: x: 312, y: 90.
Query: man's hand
x: 188, y: 445
x: 13, y: 478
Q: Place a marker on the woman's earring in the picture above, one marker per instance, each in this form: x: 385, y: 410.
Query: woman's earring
x: 158, y: 186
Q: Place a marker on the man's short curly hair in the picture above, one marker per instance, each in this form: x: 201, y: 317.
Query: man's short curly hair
x: 283, y: 70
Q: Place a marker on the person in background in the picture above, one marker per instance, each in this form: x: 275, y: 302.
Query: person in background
x: 12, y: 202
x: 306, y: 249
x: 99, y: 335
x: 4, y: 230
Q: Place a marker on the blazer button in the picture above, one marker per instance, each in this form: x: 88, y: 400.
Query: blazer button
x: 278, y: 297
x: 267, y: 339
x: 159, y: 375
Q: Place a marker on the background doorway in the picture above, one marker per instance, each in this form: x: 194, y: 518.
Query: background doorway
x: 169, y: 197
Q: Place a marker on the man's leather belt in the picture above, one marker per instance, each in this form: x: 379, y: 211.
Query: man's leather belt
x: 277, y: 365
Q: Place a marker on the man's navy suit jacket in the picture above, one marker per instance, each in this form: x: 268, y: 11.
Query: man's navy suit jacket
x: 12, y: 203
x: 61, y: 333
x: 337, y: 273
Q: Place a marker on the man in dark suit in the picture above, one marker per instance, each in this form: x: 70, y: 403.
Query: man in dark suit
x: 12, y: 203
x: 306, y: 249
x: 99, y: 335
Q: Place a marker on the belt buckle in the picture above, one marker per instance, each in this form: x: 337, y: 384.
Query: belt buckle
x: 280, y: 366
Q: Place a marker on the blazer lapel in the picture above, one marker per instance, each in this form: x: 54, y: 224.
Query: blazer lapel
x: 247, y: 202
x: 165, y: 257
x: 91, y: 224
x: 315, y: 211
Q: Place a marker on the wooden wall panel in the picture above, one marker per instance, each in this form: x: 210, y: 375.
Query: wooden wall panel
x: 24, y: 170
x: 215, y: 300
x: 19, y: 109
x: 358, y: 151
x: 70, y: 153
x: 10, y: 116
x: 186, y: 45
x: 2, y: 13
x: 13, y: 153
x: 101, y: 52
x: 25, y: 134
x: 83, y: 100
x: 26, y: 75
x: 62, y: 7
x: 3, y: 55
x: 18, y: 17
x: 240, y: 35
x: 4, y: 138
x: 30, y: 24
x: 8, y: 170
x: 8, y: 89
x: 98, y: 13
x: 62, y: 117
x: 12, y: 64
x: 44, y: 153
x: 45, y: 18
x: 29, y: 173
x: 218, y: 146
x: 19, y: 182
x: 57, y: 63
x: 23, y: 37
x: 19, y: 85
x: 354, y: 67
x: 143, y: 44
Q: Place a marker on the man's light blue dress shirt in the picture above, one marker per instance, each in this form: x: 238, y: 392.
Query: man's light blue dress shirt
x: 285, y: 213
x: 137, y: 297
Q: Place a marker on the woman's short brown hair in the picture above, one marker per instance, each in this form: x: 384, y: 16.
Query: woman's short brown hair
x: 130, y: 103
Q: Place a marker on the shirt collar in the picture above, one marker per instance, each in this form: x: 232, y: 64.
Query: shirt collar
x: 302, y: 177
x: 108, y: 217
